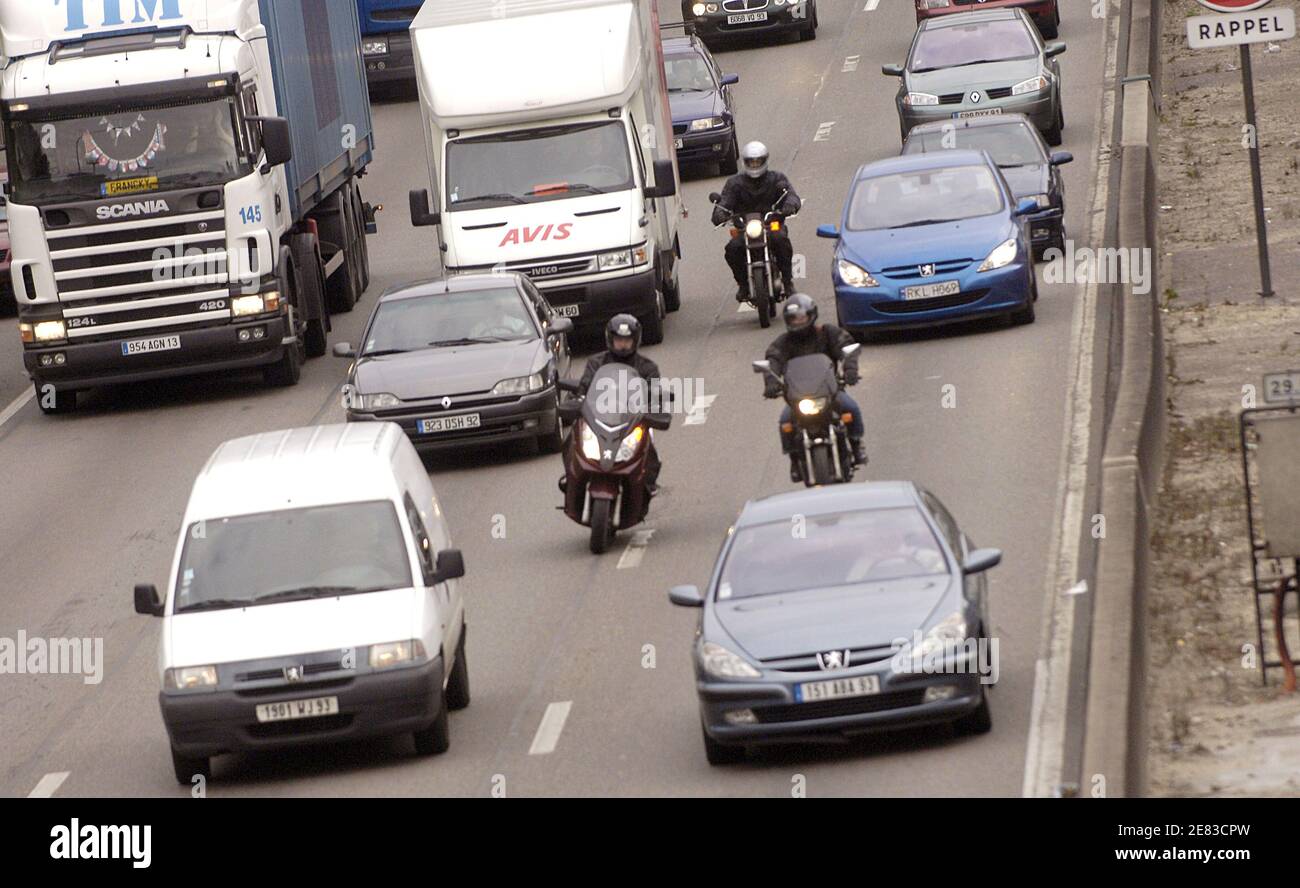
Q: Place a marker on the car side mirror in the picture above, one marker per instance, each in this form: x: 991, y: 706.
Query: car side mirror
x: 729, y: 79
x: 147, y: 600
x: 686, y: 596
x: 830, y: 231
x: 1061, y: 158
x: 344, y: 350
x: 1027, y: 206
x: 762, y: 366
x: 559, y: 326
x: 450, y: 565
x: 277, y: 142
x: 420, y: 215
x: 1053, y: 49
x: 714, y: 197
x: 665, y: 182
x: 981, y: 560
x: 892, y: 70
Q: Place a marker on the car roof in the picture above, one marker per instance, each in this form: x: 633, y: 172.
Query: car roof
x: 957, y: 19
x: 869, y: 495
x: 939, y: 126
x: 930, y: 160
x: 681, y: 44
x: 453, y: 283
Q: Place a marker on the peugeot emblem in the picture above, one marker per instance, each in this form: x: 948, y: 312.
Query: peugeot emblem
x: 926, y: 270
x: 446, y: 402
x: 833, y: 660
x: 975, y: 97
x: 293, y: 673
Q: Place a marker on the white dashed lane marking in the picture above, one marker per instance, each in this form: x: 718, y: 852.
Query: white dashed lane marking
x: 548, y: 732
x: 16, y: 404
x: 48, y: 785
x: 699, y: 413
x: 635, y: 550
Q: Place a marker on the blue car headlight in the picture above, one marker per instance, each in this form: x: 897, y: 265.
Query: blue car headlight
x: 1002, y: 256
x: 854, y: 275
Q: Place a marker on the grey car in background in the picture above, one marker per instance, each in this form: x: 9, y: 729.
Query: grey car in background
x: 838, y: 611
x: 980, y: 64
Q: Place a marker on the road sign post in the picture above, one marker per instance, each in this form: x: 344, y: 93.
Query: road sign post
x: 1241, y: 23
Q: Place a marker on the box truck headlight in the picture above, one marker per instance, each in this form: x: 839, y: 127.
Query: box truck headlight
x: 43, y: 331
x: 190, y: 678
x: 375, y: 47
x: 242, y: 306
x: 616, y: 259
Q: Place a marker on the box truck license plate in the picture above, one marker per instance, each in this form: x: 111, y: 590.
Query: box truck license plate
x: 155, y: 344
x: 567, y: 311
x: 744, y: 18
x: 450, y: 423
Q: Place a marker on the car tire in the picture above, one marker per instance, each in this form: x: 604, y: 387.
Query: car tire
x: 980, y: 721
x: 1025, y: 315
x: 458, y: 684
x: 1053, y: 134
x: 55, y: 402
x: 187, y: 768
x: 435, y: 739
x: 810, y: 32
x: 721, y: 753
x: 730, y: 164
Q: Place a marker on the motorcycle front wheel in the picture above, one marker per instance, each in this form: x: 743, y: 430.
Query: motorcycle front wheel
x: 602, y: 526
x: 823, y: 465
x: 758, y: 288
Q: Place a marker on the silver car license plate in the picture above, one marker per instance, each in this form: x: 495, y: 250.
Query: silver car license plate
x: 837, y: 688
x: 450, y: 423
x: 932, y: 291
x: 982, y: 112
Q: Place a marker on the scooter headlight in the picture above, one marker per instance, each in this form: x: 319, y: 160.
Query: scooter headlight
x: 753, y: 229
x: 630, y: 443
x: 812, y: 406
x: 590, y: 445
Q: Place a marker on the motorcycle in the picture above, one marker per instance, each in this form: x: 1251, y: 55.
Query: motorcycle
x: 765, y: 288
x: 809, y: 386
x: 606, y: 454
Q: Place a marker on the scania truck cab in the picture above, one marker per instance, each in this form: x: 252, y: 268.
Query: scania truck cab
x: 552, y: 154
x: 182, y: 187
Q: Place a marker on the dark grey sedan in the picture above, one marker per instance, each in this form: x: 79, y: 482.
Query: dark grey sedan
x: 839, y: 611
x: 472, y: 358
x: 980, y: 64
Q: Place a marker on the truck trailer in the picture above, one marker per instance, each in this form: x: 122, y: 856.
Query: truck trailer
x: 182, y: 193
x: 550, y: 150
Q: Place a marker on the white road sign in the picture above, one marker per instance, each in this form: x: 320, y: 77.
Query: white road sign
x: 1234, y: 29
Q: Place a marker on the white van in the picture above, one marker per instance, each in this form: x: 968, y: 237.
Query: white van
x: 306, y: 602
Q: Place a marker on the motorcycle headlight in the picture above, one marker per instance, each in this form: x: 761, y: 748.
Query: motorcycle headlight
x: 722, y: 663
x: 754, y: 228
x: 190, y: 678
x: 396, y: 653
x: 590, y: 445
x: 1003, y: 255
x: 630, y: 443
x: 916, y: 100
x: 521, y: 385
x: 616, y: 259
x: 377, y: 401
x: 855, y: 276
x: 1033, y: 84
x: 706, y: 123
x: 812, y: 406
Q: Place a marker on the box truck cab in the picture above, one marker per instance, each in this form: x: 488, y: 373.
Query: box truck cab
x: 549, y: 142
x: 314, y: 597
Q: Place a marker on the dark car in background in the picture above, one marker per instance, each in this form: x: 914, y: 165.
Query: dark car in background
x: 1045, y: 13
x: 873, y: 616
x: 1022, y: 156
x: 720, y: 19
x: 699, y: 94
x: 468, y: 359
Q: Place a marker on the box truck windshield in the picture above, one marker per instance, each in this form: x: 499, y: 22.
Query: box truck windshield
x: 527, y: 166
x: 132, y: 151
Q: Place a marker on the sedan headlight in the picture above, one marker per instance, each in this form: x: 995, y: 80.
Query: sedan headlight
x: 521, y: 385
x: 43, y: 331
x: 706, y: 123
x: 702, y: 8
x: 812, y: 406
x: 590, y: 443
x: 374, y: 47
x: 630, y: 443
x: 190, y: 678
x: 854, y: 275
x: 377, y: 401
x: 947, y: 633
x: 915, y: 99
x: 722, y: 663
x: 396, y: 653
x: 1003, y: 255
x: 1033, y: 84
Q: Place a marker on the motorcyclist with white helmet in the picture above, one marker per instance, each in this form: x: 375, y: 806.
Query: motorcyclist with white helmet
x: 756, y: 189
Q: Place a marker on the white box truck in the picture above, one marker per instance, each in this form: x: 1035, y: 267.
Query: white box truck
x: 550, y: 150
x: 182, y: 191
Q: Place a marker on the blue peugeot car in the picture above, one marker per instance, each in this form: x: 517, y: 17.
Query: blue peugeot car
x: 928, y: 239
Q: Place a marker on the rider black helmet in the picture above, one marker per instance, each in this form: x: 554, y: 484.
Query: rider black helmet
x: 623, y: 326
x: 800, y: 313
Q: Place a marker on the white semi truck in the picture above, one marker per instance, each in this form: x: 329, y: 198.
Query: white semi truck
x: 550, y: 150
x: 182, y: 193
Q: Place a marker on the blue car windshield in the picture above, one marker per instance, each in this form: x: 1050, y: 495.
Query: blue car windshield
x: 925, y: 197
x: 688, y: 72
x: 953, y: 46
x: 821, y: 551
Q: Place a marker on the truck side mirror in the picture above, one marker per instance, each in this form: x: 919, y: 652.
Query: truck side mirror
x: 277, y: 143
x: 420, y: 215
x: 147, y: 601
x: 665, y: 184
x: 450, y: 566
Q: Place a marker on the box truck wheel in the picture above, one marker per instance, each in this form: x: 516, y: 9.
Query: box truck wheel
x: 337, y: 229
x: 307, y: 279
x: 364, y: 251
x: 672, y: 287
x: 652, y: 325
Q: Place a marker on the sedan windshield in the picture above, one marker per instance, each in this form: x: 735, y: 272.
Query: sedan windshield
x: 952, y: 46
x: 439, y: 319
x: 527, y: 166
x: 291, y: 555
x: 926, y: 197
x: 1010, y: 145
x: 831, y: 550
x: 125, y: 152
x: 688, y: 72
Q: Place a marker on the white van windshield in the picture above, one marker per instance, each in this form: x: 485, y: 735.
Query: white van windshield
x: 295, y: 554
x: 528, y: 166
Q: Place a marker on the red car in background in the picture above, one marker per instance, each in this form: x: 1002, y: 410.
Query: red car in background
x: 1045, y: 13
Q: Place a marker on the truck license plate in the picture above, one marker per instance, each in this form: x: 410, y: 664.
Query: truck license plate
x: 155, y: 344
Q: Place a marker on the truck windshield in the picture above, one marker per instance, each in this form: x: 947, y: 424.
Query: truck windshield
x: 124, y: 152
x: 539, y: 164
x: 295, y: 554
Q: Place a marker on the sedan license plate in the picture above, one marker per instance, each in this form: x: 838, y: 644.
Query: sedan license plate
x: 837, y: 688
x: 155, y: 344
x: 567, y: 311
x: 290, y: 709
x: 982, y: 112
x: 932, y: 291
x: 450, y: 423
x: 744, y: 18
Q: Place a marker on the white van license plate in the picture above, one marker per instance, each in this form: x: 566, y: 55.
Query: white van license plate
x: 156, y: 344
x: 312, y: 707
x: 567, y: 311
x: 858, y: 686
x: 932, y: 291
x: 744, y: 18
x: 450, y: 423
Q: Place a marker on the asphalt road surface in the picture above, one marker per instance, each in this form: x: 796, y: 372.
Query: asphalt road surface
x: 577, y: 654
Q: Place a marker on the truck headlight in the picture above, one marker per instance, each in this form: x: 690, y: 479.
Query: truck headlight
x: 706, y: 123
x: 521, y: 385
x: 190, y: 678
x: 722, y: 663
x: 243, y: 306
x: 616, y: 259
x: 590, y: 445
x: 916, y: 100
x: 396, y: 653
x: 630, y: 443
x: 1002, y: 256
x: 1033, y: 84
x: 855, y: 276
x: 43, y: 331
x: 375, y: 47
x: 377, y: 401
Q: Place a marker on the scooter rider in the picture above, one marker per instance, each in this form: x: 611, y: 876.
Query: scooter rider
x: 804, y: 336
x: 623, y: 339
x: 756, y: 189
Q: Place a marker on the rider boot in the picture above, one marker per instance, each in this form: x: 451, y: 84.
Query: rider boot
x: 796, y: 467
x: 742, y: 292
x: 859, y: 455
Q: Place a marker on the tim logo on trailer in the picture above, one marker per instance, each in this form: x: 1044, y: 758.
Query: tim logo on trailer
x: 119, y: 12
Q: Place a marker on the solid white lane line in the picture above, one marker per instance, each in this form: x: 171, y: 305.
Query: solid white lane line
x: 17, y: 404
x: 548, y: 732
x: 49, y: 785
x: 635, y: 550
x: 699, y: 413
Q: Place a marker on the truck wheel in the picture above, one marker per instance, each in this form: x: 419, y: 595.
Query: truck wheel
x: 672, y: 291
x: 652, y: 325
x: 436, y: 738
x: 364, y: 244
x: 187, y: 768
x: 55, y: 401
x: 458, y: 684
x: 306, y: 277
x: 288, y: 370
x: 343, y: 286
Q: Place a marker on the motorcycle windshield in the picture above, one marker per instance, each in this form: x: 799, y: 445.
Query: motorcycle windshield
x: 810, y: 376
x: 617, y: 396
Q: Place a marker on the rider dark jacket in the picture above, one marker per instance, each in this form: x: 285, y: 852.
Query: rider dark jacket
x: 822, y: 339
x: 742, y: 195
x: 644, y: 367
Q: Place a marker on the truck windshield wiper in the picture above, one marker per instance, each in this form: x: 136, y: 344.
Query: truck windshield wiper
x: 511, y: 198
x: 582, y: 186
x: 380, y: 352
x: 304, y: 592
x: 215, y: 604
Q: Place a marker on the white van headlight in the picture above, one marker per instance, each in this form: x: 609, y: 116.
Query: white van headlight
x: 1002, y: 256
x: 396, y: 653
x: 190, y: 678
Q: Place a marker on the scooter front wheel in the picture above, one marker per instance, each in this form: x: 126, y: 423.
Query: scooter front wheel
x: 602, y: 526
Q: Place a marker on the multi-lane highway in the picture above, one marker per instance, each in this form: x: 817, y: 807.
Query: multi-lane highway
x: 580, y: 667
